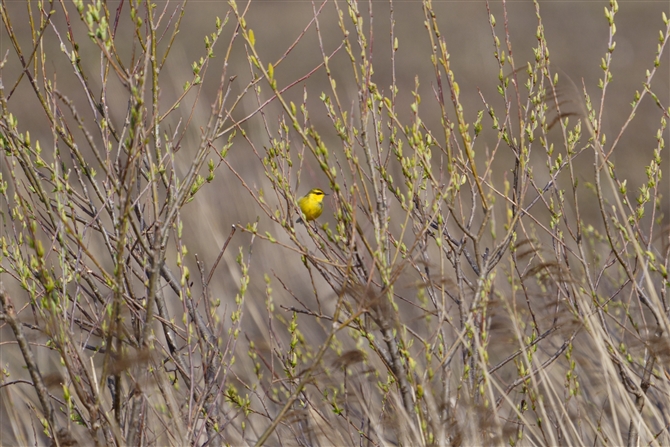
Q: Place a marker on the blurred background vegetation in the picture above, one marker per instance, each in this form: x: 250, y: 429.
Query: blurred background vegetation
x: 169, y: 298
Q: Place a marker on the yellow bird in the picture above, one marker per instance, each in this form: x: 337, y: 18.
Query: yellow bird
x: 311, y: 204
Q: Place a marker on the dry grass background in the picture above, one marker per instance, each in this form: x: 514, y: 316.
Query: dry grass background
x: 275, y: 355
